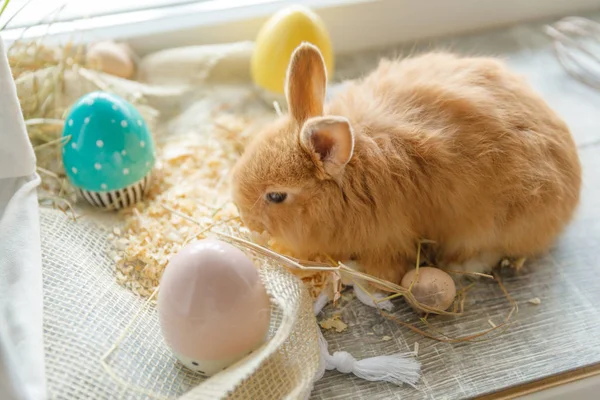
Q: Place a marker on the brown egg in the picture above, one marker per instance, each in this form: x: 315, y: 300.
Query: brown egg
x: 112, y: 58
x: 434, y: 287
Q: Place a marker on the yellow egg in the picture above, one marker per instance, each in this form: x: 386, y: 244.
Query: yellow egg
x: 278, y: 38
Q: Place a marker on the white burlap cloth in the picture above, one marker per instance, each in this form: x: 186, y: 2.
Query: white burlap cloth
x: 87, y: 313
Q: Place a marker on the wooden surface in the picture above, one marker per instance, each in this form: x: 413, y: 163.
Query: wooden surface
x: 562, y: 334
x: 550, y: 382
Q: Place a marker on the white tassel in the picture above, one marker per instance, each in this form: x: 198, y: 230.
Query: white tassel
x: 320, y: 303
x: 363, y: 296
x: 397, y: 368
x: 367, y: 300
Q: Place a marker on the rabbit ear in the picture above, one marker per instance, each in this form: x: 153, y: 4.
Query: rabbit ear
x: 330, y: 140
x: 306, y: 83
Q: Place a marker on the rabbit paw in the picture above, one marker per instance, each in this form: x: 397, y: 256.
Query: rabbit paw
x: 482, y: 263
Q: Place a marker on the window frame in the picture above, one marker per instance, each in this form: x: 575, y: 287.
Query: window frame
x: 354, y: 25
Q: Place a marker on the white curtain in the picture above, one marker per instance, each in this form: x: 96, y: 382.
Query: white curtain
x: 21, y: 331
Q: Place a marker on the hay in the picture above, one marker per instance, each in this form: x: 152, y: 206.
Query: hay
x: 188, y: 199
x: 3, y: 6
x: 190, y: 177
x: 535, y: 301
x: 335, y: 322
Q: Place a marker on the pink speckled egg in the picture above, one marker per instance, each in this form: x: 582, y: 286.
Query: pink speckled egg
x: 212, y: 305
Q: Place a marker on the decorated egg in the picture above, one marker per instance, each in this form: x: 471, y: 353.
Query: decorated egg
x: 110, y: 153
x: 433, y: 287
x: 276, y: 42
x: 213, y: 308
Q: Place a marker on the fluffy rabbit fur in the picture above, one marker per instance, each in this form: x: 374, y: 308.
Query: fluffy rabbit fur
x: 456, y: 150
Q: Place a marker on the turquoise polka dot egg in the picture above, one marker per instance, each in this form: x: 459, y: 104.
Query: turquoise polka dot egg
x: 110, y: 154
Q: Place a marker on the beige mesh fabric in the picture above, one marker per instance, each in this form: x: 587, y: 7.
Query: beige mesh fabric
x: 87, y: 314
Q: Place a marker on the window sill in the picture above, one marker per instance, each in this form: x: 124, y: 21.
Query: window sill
x: 353, y: 24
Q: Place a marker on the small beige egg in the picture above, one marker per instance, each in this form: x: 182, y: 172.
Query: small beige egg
x: 111, y: 58
x: 434, y: 287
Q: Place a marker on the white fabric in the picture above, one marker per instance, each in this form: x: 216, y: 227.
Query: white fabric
x: 321, y: 302
x: 21, y: 333
x: 367, y: 300
x: 396, y: 368
x: 16, y: 155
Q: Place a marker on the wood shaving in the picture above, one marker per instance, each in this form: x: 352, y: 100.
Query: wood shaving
x: 192, y: 177
x: 315, y: 281
x: 337, y: 286
x: 536, y: 301
x: 416, y: 350
x: 334, y: 322
x: 386, y: 338
x: 492, y: 324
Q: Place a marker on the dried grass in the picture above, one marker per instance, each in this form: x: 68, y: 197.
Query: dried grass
x: 334, y: 322
x: 3, y: 6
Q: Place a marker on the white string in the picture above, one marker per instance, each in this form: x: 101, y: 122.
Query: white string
x: 396, y: 368
x: 277, y: 108
x: 367, y: 299
x: 320, y: 303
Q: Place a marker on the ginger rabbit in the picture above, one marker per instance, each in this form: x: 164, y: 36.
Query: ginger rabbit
x: 458, y: 150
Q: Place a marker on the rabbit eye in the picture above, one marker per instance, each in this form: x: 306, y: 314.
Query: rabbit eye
x: 275, y: 197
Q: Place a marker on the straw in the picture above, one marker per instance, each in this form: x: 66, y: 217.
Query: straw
x: 4, y: 7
